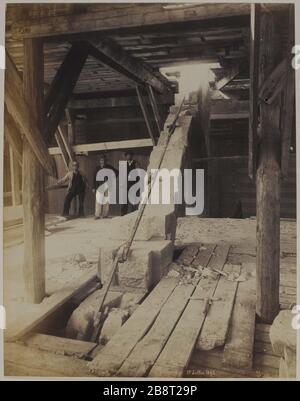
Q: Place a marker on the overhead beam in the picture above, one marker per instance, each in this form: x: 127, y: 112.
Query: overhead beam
x: 127, y: 101
x: 113, y: 55
x: 104, y: 146
x: 139, y: 15
x: 61, y: 88
x: 22, y: 114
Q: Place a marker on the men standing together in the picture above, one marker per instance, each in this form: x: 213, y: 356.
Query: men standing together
x: 103, y: 174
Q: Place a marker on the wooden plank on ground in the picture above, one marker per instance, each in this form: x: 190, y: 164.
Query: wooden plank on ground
x: 25, y: 361
x: 238, y: 351
x: 264, y: 365
x: 188, y: 255
x: 29, y: 318
x: 176, y: 355
x: 112, y: 356
x: 59, y: 345
x: 216, y: 325
x: 204, y: 255
x: 148, y: 349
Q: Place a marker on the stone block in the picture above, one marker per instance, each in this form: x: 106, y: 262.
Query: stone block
x: 152, y: 226
x: 145, y: 265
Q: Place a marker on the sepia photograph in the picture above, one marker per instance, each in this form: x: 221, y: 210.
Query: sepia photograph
x: 149, y: 189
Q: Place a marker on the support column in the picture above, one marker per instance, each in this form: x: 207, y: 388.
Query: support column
x: 33, y: 178
x: 268, y: 181
x: 15, y: 178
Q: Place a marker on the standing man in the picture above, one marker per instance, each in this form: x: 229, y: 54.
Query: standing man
x: 102, y: 200
x: 77, y: 183
x: 131, y: 165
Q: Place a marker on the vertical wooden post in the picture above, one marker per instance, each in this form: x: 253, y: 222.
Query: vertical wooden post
x: 155, y: 109
x: 15, y: 178
x: 33, y: 177
x: 145, y: 114
x: 268, y: 180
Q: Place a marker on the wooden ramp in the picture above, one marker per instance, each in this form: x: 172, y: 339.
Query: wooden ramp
x: 214, y: 311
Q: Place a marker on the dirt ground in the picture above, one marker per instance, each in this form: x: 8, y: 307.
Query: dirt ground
x: 72, y: 247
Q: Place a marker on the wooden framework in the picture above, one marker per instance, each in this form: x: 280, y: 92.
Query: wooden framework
x: 38, y: 123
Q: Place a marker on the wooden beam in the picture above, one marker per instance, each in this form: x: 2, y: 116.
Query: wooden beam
x: 62, y: 87
x: 288, y: 104
x: 66, y: 143
x: 26, y: 319
x: 204, y: 110
x: 71, y: 128
x: 117, y: 102
x: 22, y: 114
x: 253, y: 96
x: 220, y: 158
x: 229, y: 75
x: 155, y: 109
x: 62, y: 149
x: 33, y: 178
x: 13, y: 136
x: 105, y: 146
x: 113, y: 55
x: 268, y: 181
x: 15, y: 175
x: 146, y: 115
x: 139, y: 15
x: 229, y: 116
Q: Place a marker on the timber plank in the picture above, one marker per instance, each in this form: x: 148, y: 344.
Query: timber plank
x: 203, y: 257
x: 216, y: 325
x: 263, y: 366
x: 176, y: 355
x: 238, y: 351
x: 112, y: 356
x: 148, y: 349
x: 28, y: 318
x: 188, y: 255
x: 25, y: 361
x: 59, y: 345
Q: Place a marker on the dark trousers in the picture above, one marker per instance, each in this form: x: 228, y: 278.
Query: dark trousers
x: 128, y: 207
x: 68, y: 199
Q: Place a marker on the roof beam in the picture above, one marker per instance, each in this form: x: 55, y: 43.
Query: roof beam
x: 104, y: 146
x: 62, y: 87
x: 127, y: 101
x: 113, y: 55
x: 94, y: 19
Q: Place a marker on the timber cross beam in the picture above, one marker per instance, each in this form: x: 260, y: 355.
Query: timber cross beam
x: 62, y: 86
x: 113, y: 55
